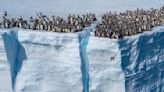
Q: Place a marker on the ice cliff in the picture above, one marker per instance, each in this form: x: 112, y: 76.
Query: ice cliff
x: 54, y: 62
x: 143, y: 61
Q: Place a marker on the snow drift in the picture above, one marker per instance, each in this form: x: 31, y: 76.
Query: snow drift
x: 53, y: 62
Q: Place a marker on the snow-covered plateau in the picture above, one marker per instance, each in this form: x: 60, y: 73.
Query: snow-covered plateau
x: 36, y: 61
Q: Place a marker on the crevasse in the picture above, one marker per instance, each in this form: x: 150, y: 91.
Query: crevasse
x: 83, y: 40
x: 15, y: 54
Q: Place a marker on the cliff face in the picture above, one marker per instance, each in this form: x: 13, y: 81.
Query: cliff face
x: 43, y: 62
x: 53, y: 62
x: 106, y: 74
x: 142, y: 60
x: 5, y: 79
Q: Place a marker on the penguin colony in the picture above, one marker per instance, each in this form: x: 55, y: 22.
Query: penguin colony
x: 113, y: 25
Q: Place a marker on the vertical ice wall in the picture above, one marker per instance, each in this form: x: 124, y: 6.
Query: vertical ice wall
x: 15, y: 54
x: 143, y: 61
x: 5, y: 78
x: 46, y: 62
x: 105, y: 73
x: 53, y: 63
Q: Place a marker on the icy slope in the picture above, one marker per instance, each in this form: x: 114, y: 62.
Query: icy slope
x: 143, y: 61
